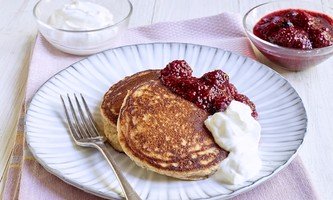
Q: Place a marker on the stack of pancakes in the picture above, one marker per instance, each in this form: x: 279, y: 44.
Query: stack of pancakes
x: 158, y: 129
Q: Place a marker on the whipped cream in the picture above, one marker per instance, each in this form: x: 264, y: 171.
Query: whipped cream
x: 236, y: 131
x: 81, y: 16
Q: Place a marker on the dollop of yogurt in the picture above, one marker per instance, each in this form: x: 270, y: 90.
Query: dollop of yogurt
x: 79, y: 15
x: 236, y: 131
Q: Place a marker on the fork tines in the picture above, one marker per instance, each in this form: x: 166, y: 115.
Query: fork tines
x: 80, y: 121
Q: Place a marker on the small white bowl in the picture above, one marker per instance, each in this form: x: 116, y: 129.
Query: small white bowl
x: 82, y: 42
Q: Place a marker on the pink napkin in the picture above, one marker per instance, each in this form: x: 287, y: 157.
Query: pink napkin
x: 27, y: 179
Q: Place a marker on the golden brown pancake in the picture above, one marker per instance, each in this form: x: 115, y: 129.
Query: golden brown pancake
x: 165, y: 133
x: 113, y: 100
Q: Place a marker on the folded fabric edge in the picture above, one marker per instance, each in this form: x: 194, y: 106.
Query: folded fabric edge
x: 11, y: 180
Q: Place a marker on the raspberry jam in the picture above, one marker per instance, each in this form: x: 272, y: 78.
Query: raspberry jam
x: 212, y: 91
x: 295, y: 28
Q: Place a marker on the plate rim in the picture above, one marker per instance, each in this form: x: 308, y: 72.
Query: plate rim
x: 224, y: 196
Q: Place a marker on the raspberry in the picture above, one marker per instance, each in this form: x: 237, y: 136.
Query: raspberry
x: 217, y: 77
x: 221, y: 103
x: 177, y: 68
x: 299, y: 18
x: 270, y: 25
x: 291, y: 37
x: 212, y: 91
x: 321, y: 38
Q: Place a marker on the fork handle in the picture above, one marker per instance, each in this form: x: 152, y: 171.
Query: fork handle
x: 127, y: 189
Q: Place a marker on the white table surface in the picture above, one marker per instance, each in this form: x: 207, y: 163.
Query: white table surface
x: 315, y: 85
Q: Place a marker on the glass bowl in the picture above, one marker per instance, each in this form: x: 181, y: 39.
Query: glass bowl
x: 288, y: 58
x: 82, y: 42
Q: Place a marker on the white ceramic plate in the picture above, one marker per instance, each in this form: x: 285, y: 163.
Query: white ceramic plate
x: 281, y: 115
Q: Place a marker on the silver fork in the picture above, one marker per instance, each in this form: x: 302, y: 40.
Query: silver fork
x: 84, y: 132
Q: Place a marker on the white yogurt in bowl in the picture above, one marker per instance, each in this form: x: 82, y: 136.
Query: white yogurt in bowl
x: 81, y: 15
x: 82, y: 27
